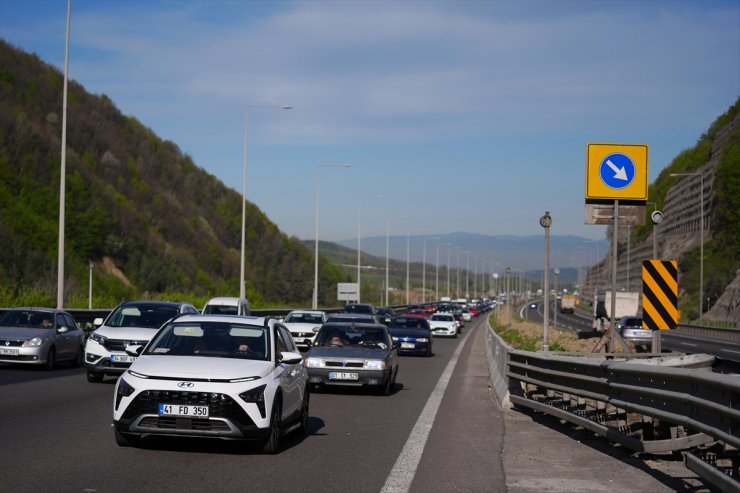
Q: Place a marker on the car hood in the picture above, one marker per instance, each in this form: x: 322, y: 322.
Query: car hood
x: 126, y: 333
x: 24, y: 333
x: 200, y: 367
x: 347, y: 352
x: 408, y: 332
x: 301, y: 326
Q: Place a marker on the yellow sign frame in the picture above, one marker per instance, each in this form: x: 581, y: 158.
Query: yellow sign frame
x: 596, y: 189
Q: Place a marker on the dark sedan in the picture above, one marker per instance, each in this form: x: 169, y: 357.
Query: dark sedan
x: 414, y: 334
x: 353, y: 355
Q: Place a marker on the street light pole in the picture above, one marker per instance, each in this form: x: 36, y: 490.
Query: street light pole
x: 242, y: 287
x: 508, y: 292
x: 315, y: 299
x: 63, y: 173
x: 555, y: 318
x: 546, y: 222
x: 436, y: 280
x: 449, y: 250
x: 387, y: 251
x: 701, y: 241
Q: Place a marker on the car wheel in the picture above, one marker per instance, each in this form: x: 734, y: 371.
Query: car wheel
x: 126, y: 439
x: 50, y: 357
x: 428, y: 354
x: 303, y: 428
x: 95, y: 377
x: 79, y: 360
x: 387, y: 389
x: 272, y: 444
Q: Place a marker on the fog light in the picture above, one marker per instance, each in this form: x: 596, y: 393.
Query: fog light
x: 373, y: 381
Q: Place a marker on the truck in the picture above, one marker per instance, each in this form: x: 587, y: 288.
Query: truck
x: 567, y: 303
x: 627, y: 304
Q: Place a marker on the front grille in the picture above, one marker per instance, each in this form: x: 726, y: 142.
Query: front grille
x: 219, y: 405
x: 345, y: 364
x: 302, y: 334
x: 120, y: 344
x: 172, y: 423
x: 11, y: 343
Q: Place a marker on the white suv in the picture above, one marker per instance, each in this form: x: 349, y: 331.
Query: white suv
x: 131, y: 322
x: 218, y: 376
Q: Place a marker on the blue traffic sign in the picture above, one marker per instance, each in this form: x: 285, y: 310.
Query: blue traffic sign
x: 617, y: 171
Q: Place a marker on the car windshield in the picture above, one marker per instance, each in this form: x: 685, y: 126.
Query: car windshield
x: 358, y: 309
x: 303, y: 318
x: 221, y: 310
x: 212, y: 339
x: 443, y: 318
x: 370, y: 337
x: 148, y: 316
x: 33, y: 319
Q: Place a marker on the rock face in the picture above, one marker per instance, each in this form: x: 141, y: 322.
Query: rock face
x: 727, y: 308
x: 679, y: 232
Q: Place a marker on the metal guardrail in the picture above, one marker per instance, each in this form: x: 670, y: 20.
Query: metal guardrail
x: 644, y: 407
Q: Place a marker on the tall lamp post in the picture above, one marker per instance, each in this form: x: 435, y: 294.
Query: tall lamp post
x: 315, y: 300
x: 701, y: 241
x: 424, y: 268
x: 546, y: 222
x: 508, y: 292
x: 63, y: 173
x: 242, y: 287
x: 556, y: 271
x: 449, y: 250
x: 387, y: 252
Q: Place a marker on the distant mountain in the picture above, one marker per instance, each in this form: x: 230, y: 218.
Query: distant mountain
x: 521, y: 253
x: 142, y: 213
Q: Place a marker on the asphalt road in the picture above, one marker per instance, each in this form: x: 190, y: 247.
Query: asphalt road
x: 438, y: 431
x: 578, y: 321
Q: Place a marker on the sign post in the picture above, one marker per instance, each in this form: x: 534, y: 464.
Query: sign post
x: 614, y: 173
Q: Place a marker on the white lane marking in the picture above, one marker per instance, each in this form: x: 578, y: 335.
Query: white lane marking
x: 404, y: 470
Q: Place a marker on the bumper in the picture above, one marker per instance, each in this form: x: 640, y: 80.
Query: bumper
x: 413, y: 347
x: 104, y: 365
x: 639, y: 337
x: 445, y: 332
x: 25, y: 355
x: 371, y: 378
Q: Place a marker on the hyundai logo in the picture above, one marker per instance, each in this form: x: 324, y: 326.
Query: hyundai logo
x: 186, y: 385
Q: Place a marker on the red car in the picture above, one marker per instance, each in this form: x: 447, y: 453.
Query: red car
x: 417, y: 312
x: 474, y: 312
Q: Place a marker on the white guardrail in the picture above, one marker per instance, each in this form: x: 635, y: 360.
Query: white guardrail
x: 647, y: 408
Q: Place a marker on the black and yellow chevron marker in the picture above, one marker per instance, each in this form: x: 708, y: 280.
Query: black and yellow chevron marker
x: 659, y: 294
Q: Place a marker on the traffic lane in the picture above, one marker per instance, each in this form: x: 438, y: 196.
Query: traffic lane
x: 15, y: 373
x: 464, y: 449
x: 60, y: 438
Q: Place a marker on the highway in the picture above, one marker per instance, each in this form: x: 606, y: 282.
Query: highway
x: 57, y: 436
x: 579, y: 321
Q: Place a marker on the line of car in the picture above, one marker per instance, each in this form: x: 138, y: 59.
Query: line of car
x: 220, y: 372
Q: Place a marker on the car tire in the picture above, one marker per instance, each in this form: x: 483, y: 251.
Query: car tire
x: 387, y: 389
x: 428, y: 354
x: 303, y: 428
x: 95, y: 377
x: 126, y: 439
x: 272, y: 443
x: 50, y: 359
x: 79, y: 360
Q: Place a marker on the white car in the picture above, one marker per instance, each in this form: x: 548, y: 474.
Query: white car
x: 226, y: 306
x: 216, y: 376
x: 131, y: 322
x: 301, y: 324
x: 443, y: 324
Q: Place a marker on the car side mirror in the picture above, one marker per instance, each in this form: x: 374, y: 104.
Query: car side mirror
x: 98, y: 322
x: 290, y: 358
x: 134, y: 349
x: 62, y: 329
x: 316, y: 330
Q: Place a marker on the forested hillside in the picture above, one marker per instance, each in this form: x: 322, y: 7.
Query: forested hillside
x: 151, y: 221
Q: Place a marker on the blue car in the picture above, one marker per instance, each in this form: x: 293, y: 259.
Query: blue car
x: 413, y: 334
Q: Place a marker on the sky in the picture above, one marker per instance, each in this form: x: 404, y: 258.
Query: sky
x: 462, y: 116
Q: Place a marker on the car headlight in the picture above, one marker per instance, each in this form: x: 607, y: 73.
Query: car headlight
x: 100, y: 339
x: 256, y: 396
x: 137, y: 374
x: 395, y: 339
x: 374, y: 364
x: 314, y: 363
x: 422, y: 339
x: 123, y: 390
x: 35, y: 342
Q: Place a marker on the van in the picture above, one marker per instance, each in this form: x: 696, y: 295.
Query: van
x: 226, y: 306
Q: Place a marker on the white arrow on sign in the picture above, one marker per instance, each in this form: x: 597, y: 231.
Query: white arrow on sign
x: 620, y: 173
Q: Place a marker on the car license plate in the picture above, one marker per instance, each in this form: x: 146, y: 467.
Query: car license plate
x: 8, y: 352
x: 118, y: 358
x: 336, y: 375
x: 179, y: 410
x: 408, y: 345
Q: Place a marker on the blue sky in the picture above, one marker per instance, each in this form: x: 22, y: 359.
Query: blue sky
x: 465, y: 116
